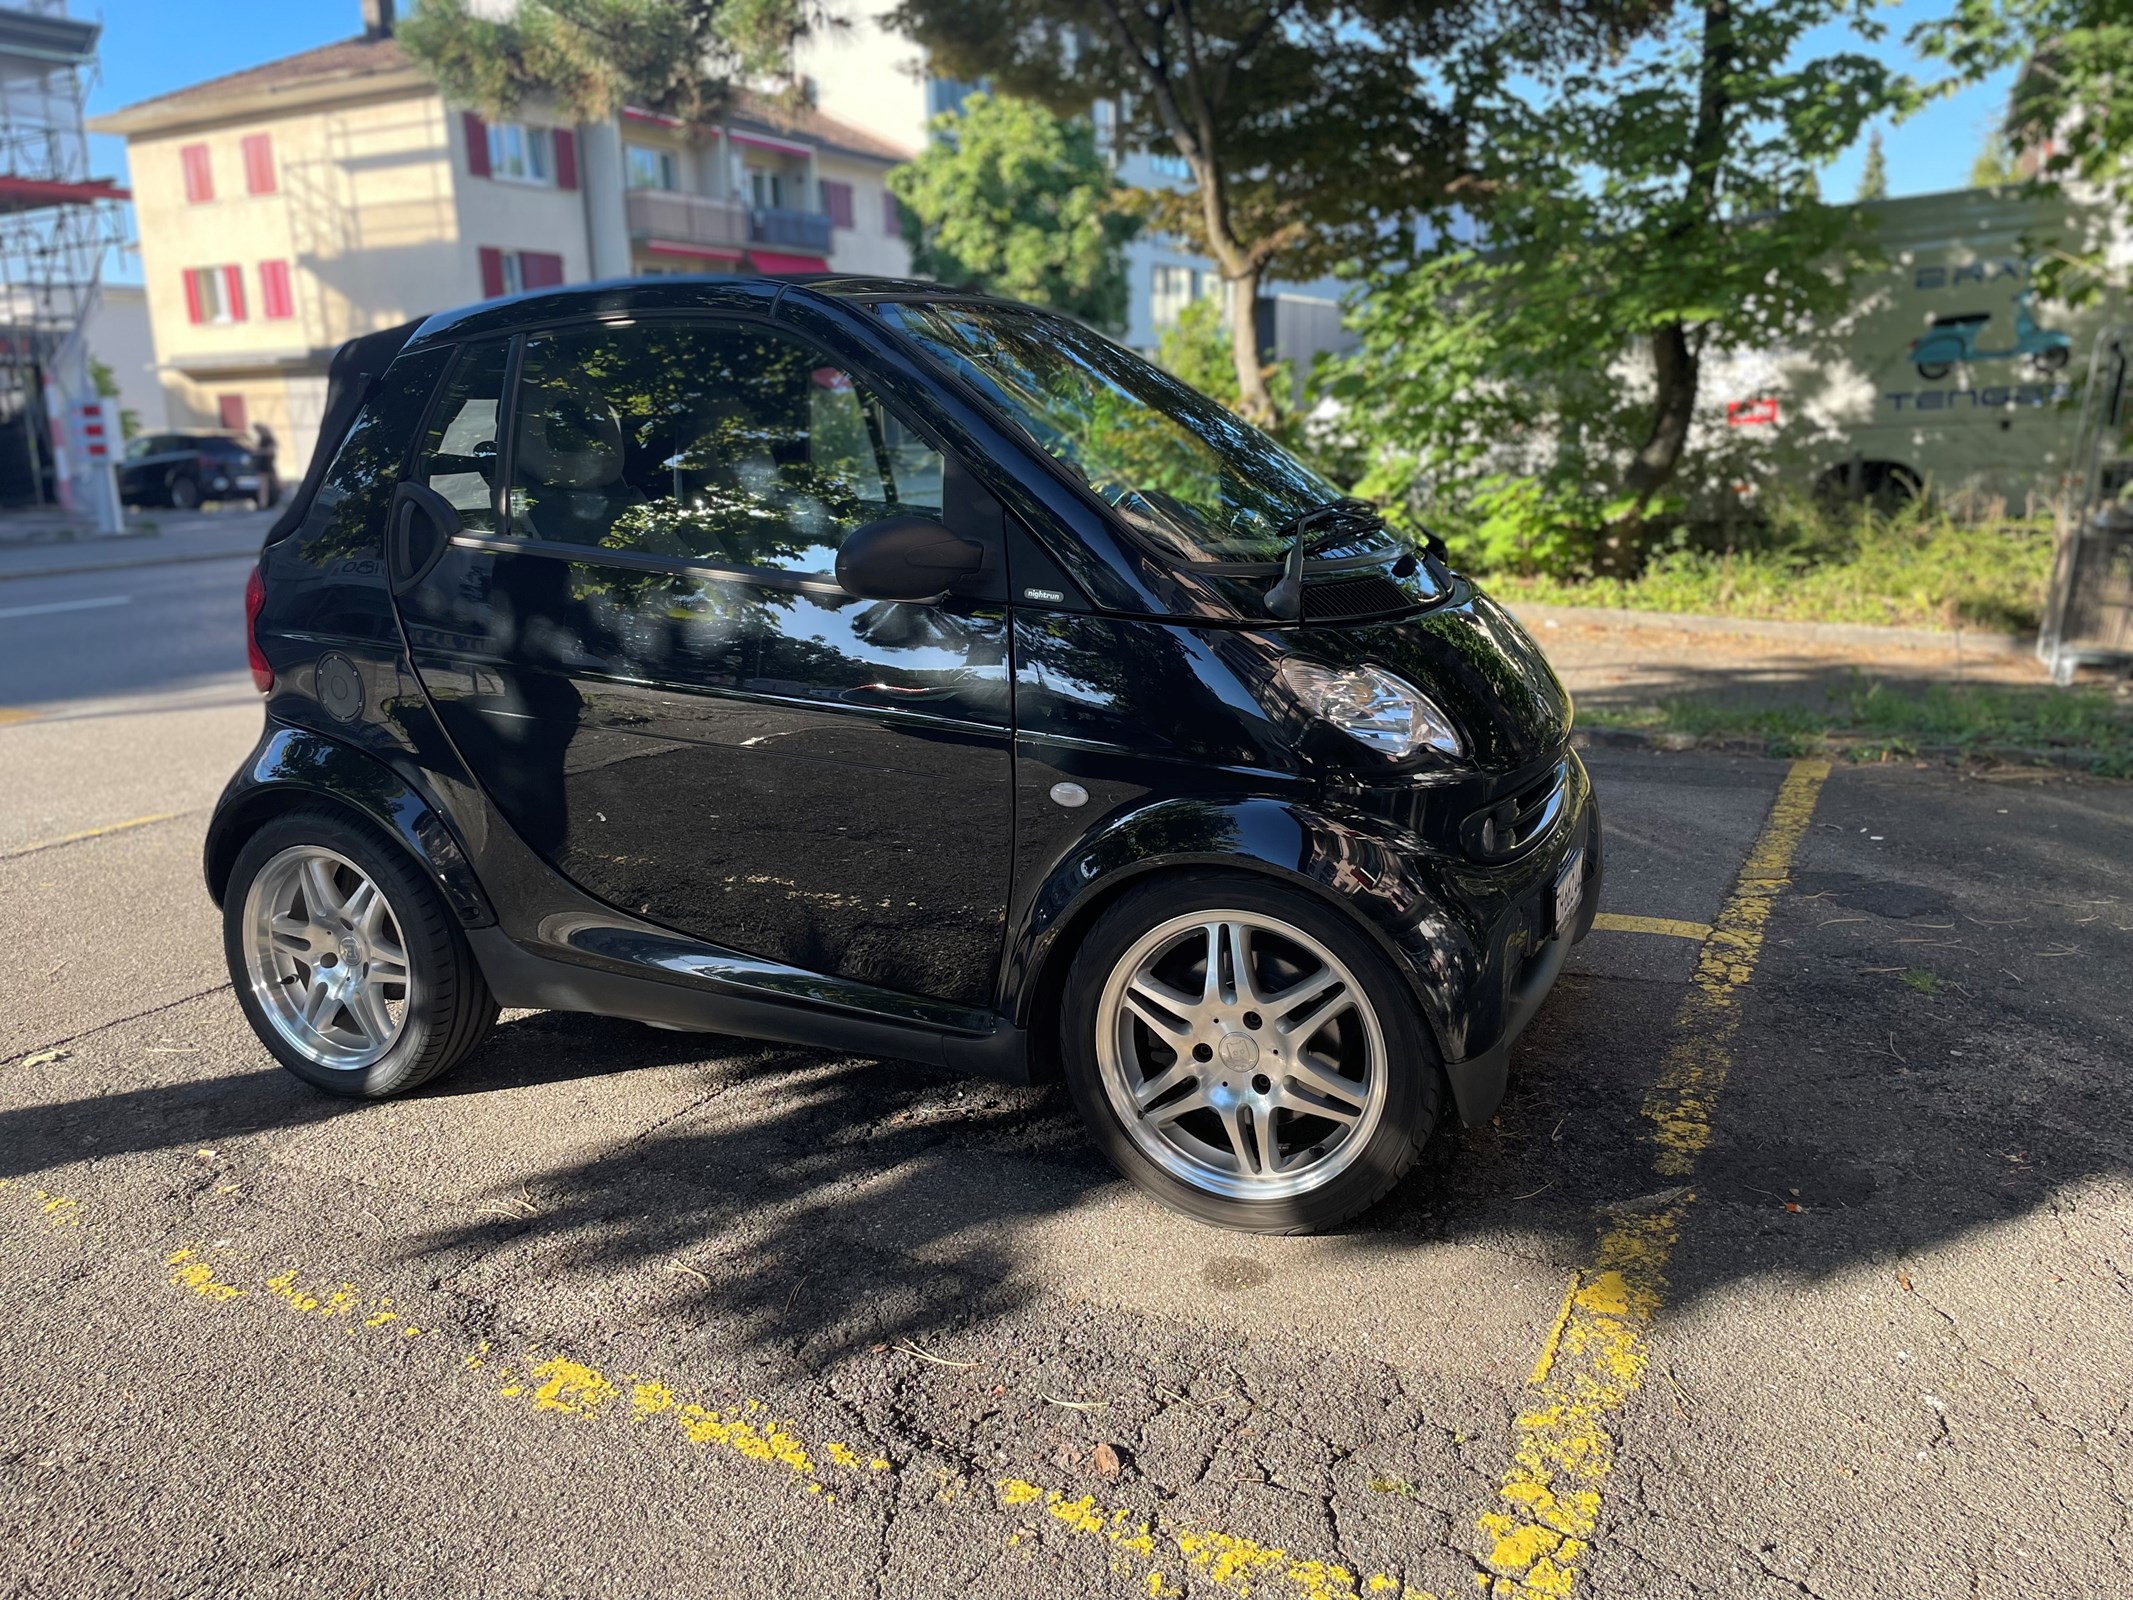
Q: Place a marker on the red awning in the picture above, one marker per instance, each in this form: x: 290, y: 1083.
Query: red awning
x: 27, y: 194
x: 772, y: 261
x: 696, y: 252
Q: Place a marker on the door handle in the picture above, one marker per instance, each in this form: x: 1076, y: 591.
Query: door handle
x: 420, y: 527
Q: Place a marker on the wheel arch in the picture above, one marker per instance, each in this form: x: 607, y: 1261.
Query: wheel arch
x: 295, y: 767
x: 1272, y: 837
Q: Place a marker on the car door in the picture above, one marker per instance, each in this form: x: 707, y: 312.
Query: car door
x: 643, y: 656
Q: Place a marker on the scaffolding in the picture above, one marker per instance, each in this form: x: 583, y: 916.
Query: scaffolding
x: 57, y: 223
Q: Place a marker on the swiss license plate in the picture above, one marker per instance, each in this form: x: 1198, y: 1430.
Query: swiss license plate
x: 1569, y: 884
x: 245, y: 481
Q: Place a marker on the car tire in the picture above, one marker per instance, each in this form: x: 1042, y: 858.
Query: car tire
x: 184, y: 494
x: 346, y: 960
x: 1348, y: 1100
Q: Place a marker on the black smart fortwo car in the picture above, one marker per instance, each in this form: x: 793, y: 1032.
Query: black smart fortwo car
x: 867, y: 665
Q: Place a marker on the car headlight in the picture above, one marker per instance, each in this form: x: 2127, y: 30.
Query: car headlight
x: 1371, y: 706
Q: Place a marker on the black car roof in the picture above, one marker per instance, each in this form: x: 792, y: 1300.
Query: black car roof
x: 624, y: 295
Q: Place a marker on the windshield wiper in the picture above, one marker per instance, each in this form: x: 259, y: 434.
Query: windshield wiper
x: 1285, y: 598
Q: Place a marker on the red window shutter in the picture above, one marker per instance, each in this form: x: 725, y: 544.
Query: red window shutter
x: 566, y: 159
x: 199, y: 173
x: 233, y: 292
x: 259, y: 164
x: 537, y: 269
x: 837, y: 201
x: 192, y: 297
x: 231, y: 408
x: 892, y: 216
x: 276, y: 303
x: 477, y: 144
x: 492, y: 272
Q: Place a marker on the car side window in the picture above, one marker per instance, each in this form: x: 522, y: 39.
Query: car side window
x: 719, y: 442
x: 458, y: 457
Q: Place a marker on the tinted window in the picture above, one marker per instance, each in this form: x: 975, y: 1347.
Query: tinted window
x: 348, y: 516
x: 459, y: 453
x: 716, y: 442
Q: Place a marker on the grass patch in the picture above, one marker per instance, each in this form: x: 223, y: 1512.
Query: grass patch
x: 1917, y: 569
x: 2087, y: 726
x: 1921, y: 980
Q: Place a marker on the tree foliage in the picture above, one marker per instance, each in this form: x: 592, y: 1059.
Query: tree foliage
x: 1646, y: 211
x: 591, y: 57
x: 1304, y: 129
x: 1022, y: 203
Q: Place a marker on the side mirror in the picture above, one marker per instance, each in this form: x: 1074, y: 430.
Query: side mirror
x: 905, y: 558
x: 420, y: 528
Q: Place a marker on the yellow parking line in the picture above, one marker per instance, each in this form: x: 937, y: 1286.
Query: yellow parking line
x: 1671, y: 927
x: 1537, y: 1533
x: 91, y: 833
x: 1163, y: 1554
x: 10, y: 714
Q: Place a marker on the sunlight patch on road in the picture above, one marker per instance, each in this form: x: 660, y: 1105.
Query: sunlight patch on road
x: 1539, y: 1531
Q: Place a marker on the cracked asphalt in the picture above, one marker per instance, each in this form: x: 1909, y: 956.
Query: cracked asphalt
x: 617, y: 1311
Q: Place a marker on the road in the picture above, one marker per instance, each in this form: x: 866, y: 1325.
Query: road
x: 1798, y: 1262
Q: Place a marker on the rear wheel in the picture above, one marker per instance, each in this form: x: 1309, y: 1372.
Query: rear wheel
x: 1246, y: 1055
x: 347, y: 963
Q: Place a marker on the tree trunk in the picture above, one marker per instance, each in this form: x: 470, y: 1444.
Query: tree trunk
x: 1254, y: 403
x: 1674, y: 377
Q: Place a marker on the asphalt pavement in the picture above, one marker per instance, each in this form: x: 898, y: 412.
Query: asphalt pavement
x: 1798, y: 1262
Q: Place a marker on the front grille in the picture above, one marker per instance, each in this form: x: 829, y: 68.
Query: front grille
x: 1511, y: 825
x: 1373, y: 595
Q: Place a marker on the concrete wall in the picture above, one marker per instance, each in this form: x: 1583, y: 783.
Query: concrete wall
x: 119, y: 334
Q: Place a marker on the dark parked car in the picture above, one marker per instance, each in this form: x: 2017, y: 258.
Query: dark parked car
x: 185, y: 470
x: 903, y: 672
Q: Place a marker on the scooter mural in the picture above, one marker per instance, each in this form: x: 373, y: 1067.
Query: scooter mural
x: 1955, y: 338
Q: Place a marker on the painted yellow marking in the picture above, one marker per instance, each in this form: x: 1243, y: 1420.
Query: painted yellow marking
x: 14, y: 714
x: 1670, y: 927
x: 1240, y: 1566
x: 1540, y: 1527
x: 554, y: 1385
x: 91, y: 833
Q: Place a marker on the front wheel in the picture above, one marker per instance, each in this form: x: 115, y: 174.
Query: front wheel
x: 1246, y: 1055
x: 348, y: 964
x: 184, y: 494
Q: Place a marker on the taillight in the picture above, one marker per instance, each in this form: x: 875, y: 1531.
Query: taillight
x: 255, y: 600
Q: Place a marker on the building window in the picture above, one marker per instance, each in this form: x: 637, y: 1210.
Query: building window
x: 650, y: 168
x: 892, y: 216
x: 766, y: 189
x: 214, y: 294
x: 199, y: 173
x: 512, y: 271
x: 258, y: 163
x: 1170, y: 166
x: 521, y: 154
x: 837, y: 201
x: 1169, y: 295
x: 276, y: 302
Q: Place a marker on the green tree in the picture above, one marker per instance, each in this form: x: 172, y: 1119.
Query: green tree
x: 1645, y: 212
x: 1305, y: 133
x: 1994, y: 164
x: 681, y: 57
x: 1021, y: 202
x: 1874, y: 172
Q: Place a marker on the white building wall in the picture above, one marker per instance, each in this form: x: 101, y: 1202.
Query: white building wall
x: 119, y: 335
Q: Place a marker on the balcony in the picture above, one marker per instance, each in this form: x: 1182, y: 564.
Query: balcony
x: 803, y: 232
x: 663, y: 216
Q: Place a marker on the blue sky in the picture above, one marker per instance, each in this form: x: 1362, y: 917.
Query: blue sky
x: 153, y: 46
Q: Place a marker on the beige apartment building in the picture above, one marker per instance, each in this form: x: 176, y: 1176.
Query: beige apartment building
x: 285, y: 208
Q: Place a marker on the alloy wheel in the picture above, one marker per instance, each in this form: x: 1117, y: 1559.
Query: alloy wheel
x: 1240, y: 1054
x: 325, y: 958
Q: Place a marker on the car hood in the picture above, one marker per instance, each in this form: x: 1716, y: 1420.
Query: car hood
x: 1470, y: 656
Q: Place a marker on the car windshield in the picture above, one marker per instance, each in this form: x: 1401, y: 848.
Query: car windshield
x: 1193, y: 479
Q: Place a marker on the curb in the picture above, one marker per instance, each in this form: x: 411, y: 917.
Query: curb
x: 1951, y: 641
x: 247, y: 554
x: 1836, y: 746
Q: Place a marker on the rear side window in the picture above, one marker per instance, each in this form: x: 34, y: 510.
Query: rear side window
x: 724, y: 443
x: 459, y: 455
x: 347, y: 518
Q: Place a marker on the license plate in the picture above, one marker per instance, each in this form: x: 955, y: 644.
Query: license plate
x: 246, y: 481
x: 1569, y: 884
